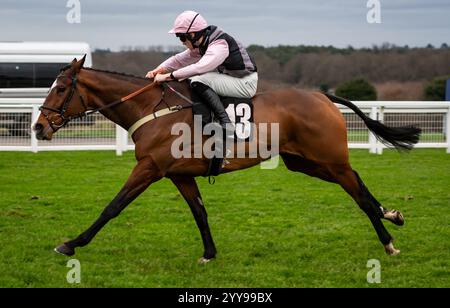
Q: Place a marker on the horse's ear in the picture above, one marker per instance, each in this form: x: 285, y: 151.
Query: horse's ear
x: 82, y: 61
x: 78, y: 65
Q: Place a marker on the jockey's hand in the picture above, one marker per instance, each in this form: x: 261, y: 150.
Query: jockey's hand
x: 159, y: 78
x: 150, y: 75
x: 156, y: 71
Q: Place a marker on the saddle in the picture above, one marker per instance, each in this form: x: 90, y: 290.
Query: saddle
x: 240, y: 112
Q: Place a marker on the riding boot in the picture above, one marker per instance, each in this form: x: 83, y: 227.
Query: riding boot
x: 213, y: 100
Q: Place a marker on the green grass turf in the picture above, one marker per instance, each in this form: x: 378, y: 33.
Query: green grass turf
x: 272, y: 228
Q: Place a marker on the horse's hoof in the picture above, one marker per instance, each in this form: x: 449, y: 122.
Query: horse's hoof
x: 395, y: 217
x: 65, y: 250
x: 390, y: 249
x: 203, y: 260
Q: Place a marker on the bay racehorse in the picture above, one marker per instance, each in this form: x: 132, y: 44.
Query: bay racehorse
x: 312, y: 140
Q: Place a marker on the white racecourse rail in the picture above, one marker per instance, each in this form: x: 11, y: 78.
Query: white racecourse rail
x: 98, y: 133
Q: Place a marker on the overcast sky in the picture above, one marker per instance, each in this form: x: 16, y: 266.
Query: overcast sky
x: 113, y: 23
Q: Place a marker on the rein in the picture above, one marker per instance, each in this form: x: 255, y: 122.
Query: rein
x: 134, y: 127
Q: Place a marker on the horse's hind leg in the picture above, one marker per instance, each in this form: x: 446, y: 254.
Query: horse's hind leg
x: 354, y: 186
x: 189, y: 189
x: 343, y: 175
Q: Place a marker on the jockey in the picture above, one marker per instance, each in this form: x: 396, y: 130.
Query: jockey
x: 215, y: 63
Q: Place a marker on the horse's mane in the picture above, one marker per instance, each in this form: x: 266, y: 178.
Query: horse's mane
x: 118, y: 74
x: 127, y: 76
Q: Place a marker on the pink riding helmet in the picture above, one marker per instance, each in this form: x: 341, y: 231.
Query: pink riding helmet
x: 188, y: 21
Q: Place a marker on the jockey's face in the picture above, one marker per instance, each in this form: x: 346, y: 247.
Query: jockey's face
x: 188, y: 43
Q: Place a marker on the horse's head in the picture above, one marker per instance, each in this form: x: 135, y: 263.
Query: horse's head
x: 63, y: 102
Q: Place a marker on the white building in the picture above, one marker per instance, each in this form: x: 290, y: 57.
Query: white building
x: 28, y: 69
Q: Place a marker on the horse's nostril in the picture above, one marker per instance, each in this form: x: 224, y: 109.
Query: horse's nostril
x: 38, y: 127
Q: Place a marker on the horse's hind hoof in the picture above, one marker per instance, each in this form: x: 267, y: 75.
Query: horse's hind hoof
x: 65, y: 250
x: 395, y: 217
x: 203, y: 260
x: 390, y: 249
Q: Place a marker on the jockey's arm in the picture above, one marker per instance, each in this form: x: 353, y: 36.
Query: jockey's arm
x: 175, y: 62
x: 214, y: 56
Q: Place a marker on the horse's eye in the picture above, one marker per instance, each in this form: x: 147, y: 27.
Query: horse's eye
x: 60, y: 90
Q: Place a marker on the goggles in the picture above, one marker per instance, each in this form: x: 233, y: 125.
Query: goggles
x: 182, y: 36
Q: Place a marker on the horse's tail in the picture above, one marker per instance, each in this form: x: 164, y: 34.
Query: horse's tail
x: 402, y: 138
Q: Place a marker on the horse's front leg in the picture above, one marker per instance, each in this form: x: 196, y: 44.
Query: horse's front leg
x: 144, y: 173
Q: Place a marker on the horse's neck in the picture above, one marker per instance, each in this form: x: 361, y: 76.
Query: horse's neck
x: 104, y: 89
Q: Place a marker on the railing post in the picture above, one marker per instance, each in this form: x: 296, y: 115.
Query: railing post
x: 447, y: 131
x: 34, y: 117
x: 381, y: 119
x: 372, y: 138
x: 124, y: 139
x: 119, y: 140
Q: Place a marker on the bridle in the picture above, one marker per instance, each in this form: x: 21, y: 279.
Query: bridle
x: 61, y: 112
x: 66, y: 119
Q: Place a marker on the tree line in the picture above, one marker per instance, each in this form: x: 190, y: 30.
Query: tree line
x: 315, y: 66
x: 308, y: 66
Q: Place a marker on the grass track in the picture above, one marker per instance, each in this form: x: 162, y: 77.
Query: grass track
x: 272, y: 228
